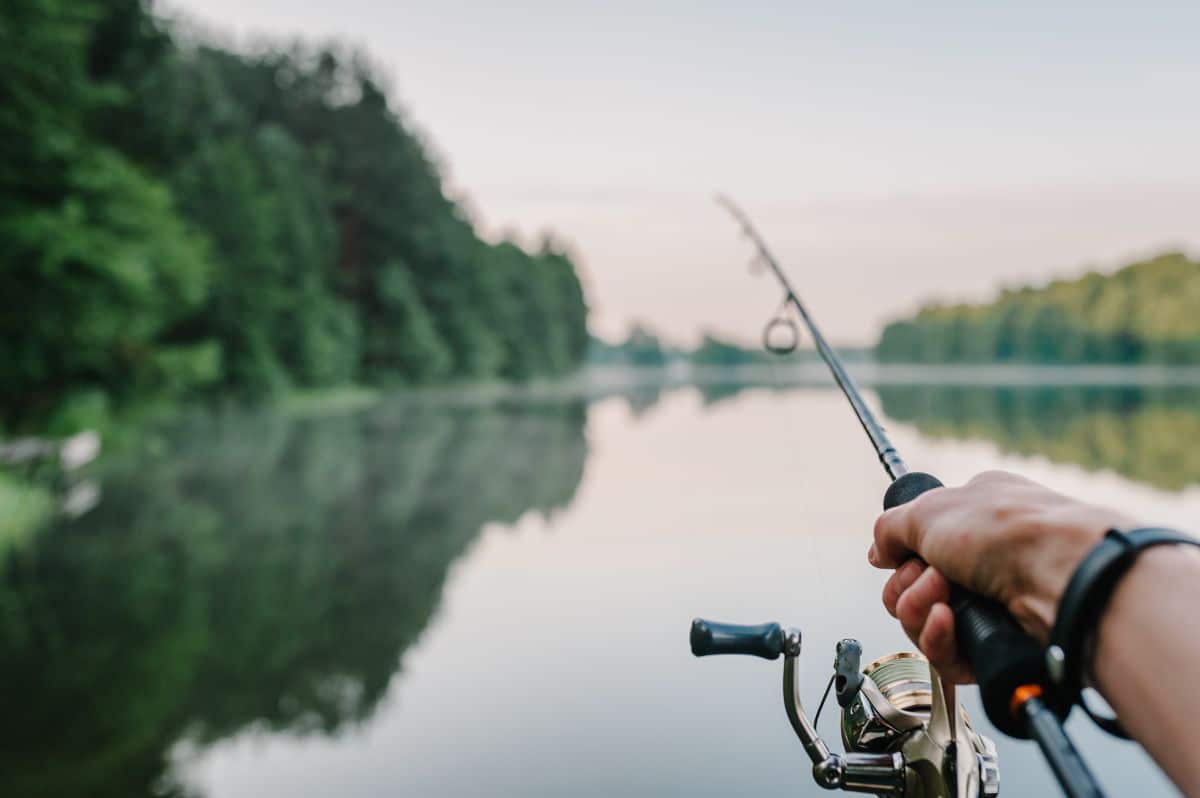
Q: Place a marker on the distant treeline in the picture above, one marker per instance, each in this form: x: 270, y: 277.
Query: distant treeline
x: 1147, y: 312
x: 642, y: 347
x: 177, y: 217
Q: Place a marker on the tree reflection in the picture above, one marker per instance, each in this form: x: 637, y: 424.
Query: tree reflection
x: 250, y: 570
x: 1146, y: 434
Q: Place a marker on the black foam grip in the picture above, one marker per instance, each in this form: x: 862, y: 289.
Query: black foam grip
x: 764, y: 640
x: 909, y: 487
x: 1001, y: 655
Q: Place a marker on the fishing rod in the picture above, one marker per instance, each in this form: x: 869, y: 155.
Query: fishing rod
x: 902, y: 726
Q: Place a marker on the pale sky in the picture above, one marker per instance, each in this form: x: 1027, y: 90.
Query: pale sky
x: 890, y: 154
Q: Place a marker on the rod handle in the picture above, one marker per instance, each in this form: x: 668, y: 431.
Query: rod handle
x: 1002, y: 656
x: 709, y: 637
x: 908, y: 487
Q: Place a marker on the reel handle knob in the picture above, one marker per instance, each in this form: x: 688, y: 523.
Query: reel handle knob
x: 1002, y: 656
x: 763, y: 640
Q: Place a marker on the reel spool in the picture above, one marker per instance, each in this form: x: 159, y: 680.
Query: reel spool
x: 901, y: 680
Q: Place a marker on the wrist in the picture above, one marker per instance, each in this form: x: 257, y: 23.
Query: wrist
x: 1137, y: 596
x: 1065, y: 536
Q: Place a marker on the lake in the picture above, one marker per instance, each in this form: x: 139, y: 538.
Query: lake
x: 490, y: 595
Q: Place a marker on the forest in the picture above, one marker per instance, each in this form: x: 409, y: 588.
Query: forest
x: 181, y: 219
x: 1144, y: 313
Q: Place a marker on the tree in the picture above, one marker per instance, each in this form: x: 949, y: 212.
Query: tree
x: 98, y: 267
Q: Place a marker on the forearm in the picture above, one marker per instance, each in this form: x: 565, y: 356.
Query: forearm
x: 1147, y: 658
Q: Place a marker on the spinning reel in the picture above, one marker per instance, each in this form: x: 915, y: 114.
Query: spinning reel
x: 904, y: 732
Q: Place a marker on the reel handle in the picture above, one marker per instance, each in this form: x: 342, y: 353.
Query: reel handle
x: 1002, y: 656
x: 709, y: 637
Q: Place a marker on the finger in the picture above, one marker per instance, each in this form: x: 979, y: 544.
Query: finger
x: 914, y: 604
x: 899, y: 581
x: 937, y: 641
x: 897, y: 536
x: 891, y: 546
x: 899, y: 532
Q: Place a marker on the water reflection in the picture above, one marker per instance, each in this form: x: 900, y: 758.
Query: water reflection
x: 251, y: 585
x: 252, y: 571
x: 1148, y: 434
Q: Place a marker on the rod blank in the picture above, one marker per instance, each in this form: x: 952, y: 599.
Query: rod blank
x: 893, y: 464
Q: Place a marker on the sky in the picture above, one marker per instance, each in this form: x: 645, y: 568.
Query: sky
x: 890, y: 153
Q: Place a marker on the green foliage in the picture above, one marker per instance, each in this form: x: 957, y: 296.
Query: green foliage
x: 404, y: 342
x: 1144, y: 313
x: 94, y: 283
x: 83, y: 409
x: 181, y: 219
x: 539, y: 323
x: 27, y: 506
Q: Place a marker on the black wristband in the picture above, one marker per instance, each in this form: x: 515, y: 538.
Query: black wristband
x: 1084, y: 601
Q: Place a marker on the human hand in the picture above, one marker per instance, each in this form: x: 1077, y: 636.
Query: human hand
x: 1001, y: 536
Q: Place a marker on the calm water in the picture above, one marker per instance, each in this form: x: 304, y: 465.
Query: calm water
x: 493, y: 598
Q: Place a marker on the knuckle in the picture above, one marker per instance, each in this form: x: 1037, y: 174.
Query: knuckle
x: 932, y: 502
x: 1002, y: 513
x: 939, y: 588
x: 989, y: 477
